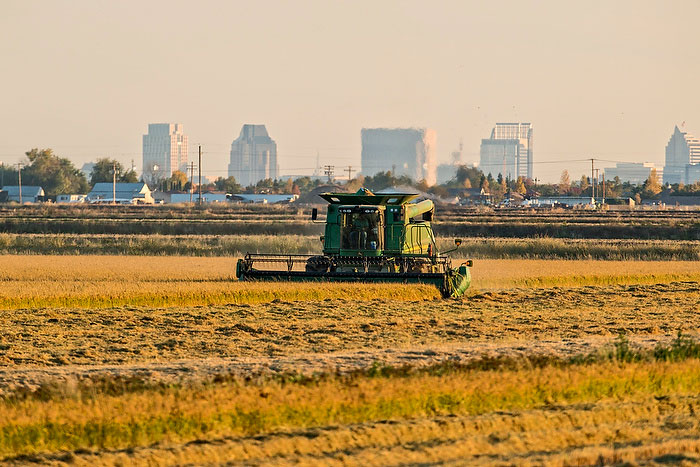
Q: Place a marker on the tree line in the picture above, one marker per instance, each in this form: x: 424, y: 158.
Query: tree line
x: 57, y: 175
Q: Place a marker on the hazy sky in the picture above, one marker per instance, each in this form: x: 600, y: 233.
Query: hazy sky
x: 606, y: 79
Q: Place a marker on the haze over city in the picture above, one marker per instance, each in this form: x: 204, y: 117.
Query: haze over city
x: 596, y: 79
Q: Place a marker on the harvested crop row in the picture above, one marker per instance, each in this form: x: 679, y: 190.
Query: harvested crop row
x: 141, y: 334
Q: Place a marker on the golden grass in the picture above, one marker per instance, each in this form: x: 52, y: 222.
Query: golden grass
x: 107, y: 281
x: 617, y: 394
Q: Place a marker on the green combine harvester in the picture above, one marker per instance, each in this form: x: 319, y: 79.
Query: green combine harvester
x: 369, y: 238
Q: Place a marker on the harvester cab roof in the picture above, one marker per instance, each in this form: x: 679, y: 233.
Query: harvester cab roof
x: 370, y: 237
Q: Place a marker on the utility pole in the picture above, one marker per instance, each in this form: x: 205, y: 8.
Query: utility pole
x: 2, y: 174
x: 328, y: 171
x: 114, y: 182
x: 603, y: 187
x: 191, y: 180
x: 592, y: 174
x: 19, y: 177
x: 349, y: 171
x: 597, y: 182
x: 200, y: 174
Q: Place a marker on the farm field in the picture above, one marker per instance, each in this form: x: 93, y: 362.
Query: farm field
x: 238, y: 245
x: 280, y: 220
x: 120, y: 360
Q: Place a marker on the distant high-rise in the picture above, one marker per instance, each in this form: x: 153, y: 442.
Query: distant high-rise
x: 164, y: 151
x: 682, y: 153
x: 253, y: 156
x: 403, y: 151
x: 508, y: 151
x: 633, y: 172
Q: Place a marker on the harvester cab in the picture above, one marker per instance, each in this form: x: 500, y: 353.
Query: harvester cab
x: 373, y: 238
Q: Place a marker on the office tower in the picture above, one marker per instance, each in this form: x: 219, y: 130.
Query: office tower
x: 682, y: 151
x: 508, y: 151
x: 253, y: 156
x: 633, y: 172
x: 403, y: 151
x: 164, y: 151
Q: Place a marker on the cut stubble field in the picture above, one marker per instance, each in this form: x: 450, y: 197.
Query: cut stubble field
x: 103, y: 356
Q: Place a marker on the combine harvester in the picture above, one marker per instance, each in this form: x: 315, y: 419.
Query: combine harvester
x: 369, y: 238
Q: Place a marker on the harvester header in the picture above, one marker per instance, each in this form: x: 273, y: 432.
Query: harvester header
x: 369, y: 237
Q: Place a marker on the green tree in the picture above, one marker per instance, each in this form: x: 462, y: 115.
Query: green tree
x: 468, y: 177
x: 229, y: 185
x: 8, y: 175
x: 382, y: 180
x: 56, y: 175
x: 102, y: 172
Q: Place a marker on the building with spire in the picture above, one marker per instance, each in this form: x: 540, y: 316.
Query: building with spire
x: 164, y: 151
x: 253, y: 156
x: 682, y: 158
x: 508, y: 151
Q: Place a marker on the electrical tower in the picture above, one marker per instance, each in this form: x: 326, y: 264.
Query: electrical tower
x: 328, y: 171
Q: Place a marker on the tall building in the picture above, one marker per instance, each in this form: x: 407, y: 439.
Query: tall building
x: 633, y: 172
x: 164, y: 151
x: 508, y: 151
x: 682, y: 150
x: 403, y: 151
x: 253, y: 156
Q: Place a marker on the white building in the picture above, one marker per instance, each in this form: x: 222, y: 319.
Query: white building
x: 508, y: 151
x: 164, y: 151
x: 29, y: 194
x: 120, y: 193
x: 253, y: 156
x: 683, y: 149
x: 403, y: 151
x: 633, y: 172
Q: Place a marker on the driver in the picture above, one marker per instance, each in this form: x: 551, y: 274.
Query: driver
x: 360, y: 226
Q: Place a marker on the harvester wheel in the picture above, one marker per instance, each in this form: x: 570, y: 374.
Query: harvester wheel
x: 318, y: 264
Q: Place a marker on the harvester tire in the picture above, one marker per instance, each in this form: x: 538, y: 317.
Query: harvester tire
x: 318, y: 264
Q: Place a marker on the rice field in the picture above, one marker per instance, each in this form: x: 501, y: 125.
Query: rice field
x: 238, y: 245
x: 126, y: 360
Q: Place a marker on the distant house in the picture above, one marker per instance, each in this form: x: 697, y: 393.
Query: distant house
x: 261, y: 198
x: 177, y: 198
x: 30, y: 194
x: 70, y: 199
x: 474, y: 196
x: 124, y: 193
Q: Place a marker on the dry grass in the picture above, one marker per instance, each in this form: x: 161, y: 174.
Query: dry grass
x: 108, y: 281
x: 506, y: 415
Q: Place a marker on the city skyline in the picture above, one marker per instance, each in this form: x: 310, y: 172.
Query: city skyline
x: 613, y: 76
